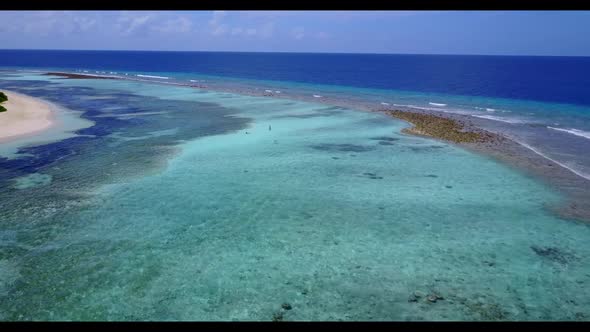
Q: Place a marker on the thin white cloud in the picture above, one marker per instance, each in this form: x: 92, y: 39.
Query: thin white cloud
x: 181, y: 30
x: 85, y: 23
x: 267, y: 30
x: 216, y: 25
x: 218, y: 15
x: 176, y: 25
x: 237, y: 31
x: 335, y: 15
x: 129, y: 23
x: 220, y: 30
x: 45, y: 23
x: 322, y: 35
x: 298, y: 33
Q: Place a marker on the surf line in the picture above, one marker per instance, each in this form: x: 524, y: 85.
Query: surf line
x: 585, y: 176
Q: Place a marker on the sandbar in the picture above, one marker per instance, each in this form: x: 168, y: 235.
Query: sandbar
x: 25, y: 116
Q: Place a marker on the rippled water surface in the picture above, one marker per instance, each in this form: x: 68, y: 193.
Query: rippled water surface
x: 181, y: 204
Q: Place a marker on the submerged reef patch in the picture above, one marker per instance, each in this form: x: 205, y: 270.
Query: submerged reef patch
x: 384, y: 138
x: 554, y: 254
x: 372, y: 176
x: 324, y: 112
x: 426, y: 149
x: 32, y: 180
x: 342, y: 147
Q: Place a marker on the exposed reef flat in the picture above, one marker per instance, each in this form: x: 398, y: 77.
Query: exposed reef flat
x: 460, y: 130
x: 79, y: 76
x: 442, y: 128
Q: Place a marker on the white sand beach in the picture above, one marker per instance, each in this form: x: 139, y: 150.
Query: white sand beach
x: 25, y: 116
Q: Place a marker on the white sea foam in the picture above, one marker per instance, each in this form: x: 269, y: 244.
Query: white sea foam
x: 386, y: 104
x: 160, y: 82
x: 437, y: 104
x: 317, y: 96
x: 422, y: 108
x: 277, y: 91
x: 151, y: 76
x: 268, y: 91
x: 497, y: 118
x: 578, y: 173
x: 573, y: 131
x: 489, y: 109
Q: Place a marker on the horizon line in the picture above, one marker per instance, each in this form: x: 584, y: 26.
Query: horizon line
x: 287, y: 52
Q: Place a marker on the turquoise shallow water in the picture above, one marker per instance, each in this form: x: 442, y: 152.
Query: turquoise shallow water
x: 193, y: 205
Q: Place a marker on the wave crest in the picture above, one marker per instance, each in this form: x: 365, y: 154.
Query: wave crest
x: 497, y: 118
x: 152, y: 76
x: 573, y: 131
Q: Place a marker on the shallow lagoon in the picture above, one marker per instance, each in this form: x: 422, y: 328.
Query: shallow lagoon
x: 180, y: 204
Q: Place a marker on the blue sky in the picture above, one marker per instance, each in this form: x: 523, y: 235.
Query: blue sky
x: 427, y: 32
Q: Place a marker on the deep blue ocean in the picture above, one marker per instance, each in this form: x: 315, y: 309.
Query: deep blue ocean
x: 551, y: 79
